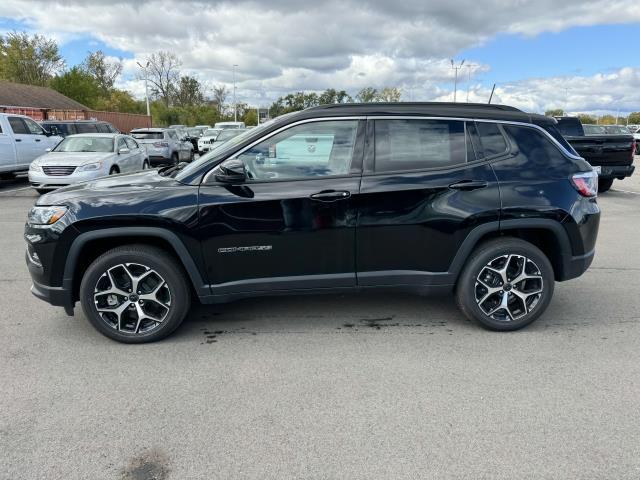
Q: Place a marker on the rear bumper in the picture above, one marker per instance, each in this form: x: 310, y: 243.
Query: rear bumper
x: 616, y: 171
x: 574, y: 266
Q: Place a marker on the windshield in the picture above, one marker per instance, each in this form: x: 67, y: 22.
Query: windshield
x: 150, y: 135
x: 85, y: 144
x: 194, y: 132
x: 616, y: 129
x: 211, y: 132
x: 225, y: 148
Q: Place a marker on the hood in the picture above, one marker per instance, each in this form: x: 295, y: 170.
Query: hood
x: 133, y: 184
x: 72, y: 158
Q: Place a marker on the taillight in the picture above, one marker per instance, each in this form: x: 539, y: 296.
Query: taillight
x: 161, y: 144
x: 586, y: 183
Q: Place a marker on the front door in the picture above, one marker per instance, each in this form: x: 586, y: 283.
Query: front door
x: 29, y: 139
x: 291, y: 225
x: 422, y: 192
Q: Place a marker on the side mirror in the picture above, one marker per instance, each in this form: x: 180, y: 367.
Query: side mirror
x: 231, y: 171
x: 124, y: 150
x: 48, y: 150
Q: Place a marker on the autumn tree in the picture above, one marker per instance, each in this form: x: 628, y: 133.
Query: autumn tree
x: 164, y: 75
x: 189, y: 92
x: 103, y: 70
x: 32, y: 60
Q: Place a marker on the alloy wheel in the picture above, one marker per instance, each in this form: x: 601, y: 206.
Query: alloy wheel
x: 508, y: 287
x: 132, y: 298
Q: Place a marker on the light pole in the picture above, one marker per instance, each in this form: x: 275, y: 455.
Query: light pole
x: 146, y: 85
x: 455, y: 82
x: 235, y: 105
x: 469, y: 65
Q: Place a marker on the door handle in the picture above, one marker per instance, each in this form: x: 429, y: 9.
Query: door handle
x: 468, y: 185
x: 18, y: 139
x: 330, y: 196
x: 37, y: 139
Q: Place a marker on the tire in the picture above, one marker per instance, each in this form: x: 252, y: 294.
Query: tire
x: 7, y: 176
x: 42, y: 191
x: 114, y: 170
x: 145, y: 165
x: 150, y: 313
x: 481, y: 306
x: 604, y: 184
x: 175, y: 159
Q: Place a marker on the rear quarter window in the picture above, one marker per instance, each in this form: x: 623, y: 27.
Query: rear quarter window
x: 539, y: 152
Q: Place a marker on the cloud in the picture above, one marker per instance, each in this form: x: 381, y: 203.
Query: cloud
x: 284, y: 45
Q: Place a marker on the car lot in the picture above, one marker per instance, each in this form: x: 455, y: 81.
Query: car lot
x: 364, y: 386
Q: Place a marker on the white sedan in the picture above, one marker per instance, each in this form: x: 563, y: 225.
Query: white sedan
x: 86, y: 156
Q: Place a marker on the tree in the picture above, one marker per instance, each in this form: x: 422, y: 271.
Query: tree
x: 634, y: 118
x: 555, y: 112
x: 189, y: 92
x: 33, y: 60
x: 585, y: 118
x: 78, y: 85
x: 164, y: 75
x: 607, y: 120
x: 104, y: 71
x: 330, y: 96
x: 250, y: 117
x: 367, y: 95
x: 389, y: 94
x: 120, y: 101
x: 220, y: 94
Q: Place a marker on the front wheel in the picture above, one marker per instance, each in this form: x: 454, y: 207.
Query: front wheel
x: 145, y: 165
x: 604, y: 184
x: 135, y: 294
x: 506, y: 284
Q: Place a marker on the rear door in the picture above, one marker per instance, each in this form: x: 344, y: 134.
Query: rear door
x: 8, y: 159
x: 291, y: 225
x: 422, y: 192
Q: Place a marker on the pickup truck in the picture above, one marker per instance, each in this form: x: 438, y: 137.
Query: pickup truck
x: 21, y: 141
x: 610, y: 154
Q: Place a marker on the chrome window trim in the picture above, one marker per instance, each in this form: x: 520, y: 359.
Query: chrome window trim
x: 281, y: 129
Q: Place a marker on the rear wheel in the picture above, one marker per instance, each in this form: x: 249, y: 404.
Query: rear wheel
x: 42, y: 191
x: 604, y: 184
x: 145, y: 165
x: 114, y: 170
x: 175, y: 159
x: 135, y: 294
x: 7, y: 176
x: 506, y: 284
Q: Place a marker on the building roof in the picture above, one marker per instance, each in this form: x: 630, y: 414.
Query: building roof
x: 31, y: 96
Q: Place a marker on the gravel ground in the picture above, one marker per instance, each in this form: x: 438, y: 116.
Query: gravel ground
x: 332, y: 387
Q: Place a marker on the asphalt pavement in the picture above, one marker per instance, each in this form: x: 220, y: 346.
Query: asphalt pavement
x: 332, y: 387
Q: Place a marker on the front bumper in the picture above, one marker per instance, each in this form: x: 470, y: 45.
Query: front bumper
x: 41, y: 180
x: 616, y: 171
x: 56, y: 296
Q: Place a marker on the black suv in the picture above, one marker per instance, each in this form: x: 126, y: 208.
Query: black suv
x: 63, y: 128
x: 482, y: 200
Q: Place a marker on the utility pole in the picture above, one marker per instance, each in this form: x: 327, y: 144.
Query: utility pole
x: 455, y: 82
x: 469, y: 65
x: 146, y: 85
x: 235, y: 105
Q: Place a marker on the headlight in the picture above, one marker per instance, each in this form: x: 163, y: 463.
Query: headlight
x: 46, y: 215
x: 89, y: 167
x: 34, y: 167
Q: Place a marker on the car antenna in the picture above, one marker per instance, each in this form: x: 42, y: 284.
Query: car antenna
x: 491, y: 96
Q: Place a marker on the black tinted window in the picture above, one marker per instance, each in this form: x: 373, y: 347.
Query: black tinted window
x: 17, y: 125
x: 493, y: 143
x: 418, y: 144
x: 569, y: 126
x: 536, y: 147
x: 102, y: 128
x: 86, y: 128
x: 553, y: 131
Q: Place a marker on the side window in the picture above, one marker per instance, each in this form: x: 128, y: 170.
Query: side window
x: 418, y: 144
x: 310, y: 150
x: 18, y: 126
x: 131, y: 143
x: 121, y: 143
x: 474, y: 149
x: 493, y: 143
x: 111, y: 128
x: 102, y: 128
x: 86, y: 128
x: 173, y: 135
x: 538, y: 149
x: 33, y: 127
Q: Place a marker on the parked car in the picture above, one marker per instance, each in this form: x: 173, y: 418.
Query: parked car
x: 71, y: 127
x: 163, y: 145
x: 224, y: 136
x: 483, y: 201
x: 225, y: 125
x: 207, y: 139
x: 21, y: 141
x: 193, y: 135
x: 610, y: 153
x: 636, y: 136
x: 86, y: 156
x: 203, y: 127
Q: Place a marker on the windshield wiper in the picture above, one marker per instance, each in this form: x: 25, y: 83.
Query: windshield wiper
x: 172, y: 169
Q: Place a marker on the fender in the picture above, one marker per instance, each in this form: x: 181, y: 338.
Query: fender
x: 201, y: 287
x: 504, y: 226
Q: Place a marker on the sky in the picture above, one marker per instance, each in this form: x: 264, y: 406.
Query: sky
x: 581, y: 56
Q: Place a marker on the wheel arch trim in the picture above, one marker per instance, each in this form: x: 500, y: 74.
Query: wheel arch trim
x: 185, y: 258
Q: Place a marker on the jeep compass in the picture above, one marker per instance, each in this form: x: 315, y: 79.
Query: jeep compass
x: 483, y: 201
